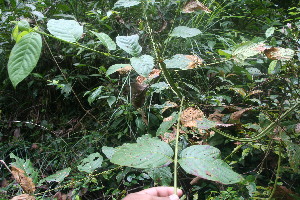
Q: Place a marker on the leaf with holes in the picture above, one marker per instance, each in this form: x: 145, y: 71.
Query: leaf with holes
x: 24, y: 57
x: 106, y: 40
x: 89, y: 164
x: 57, y: 177
x: 185, y: 32
x: 68, y: 30
x: 126, y: 3
x: 204, y: 161
x: 130, y: 44
x: 143, y: 65
x: 146, y: 153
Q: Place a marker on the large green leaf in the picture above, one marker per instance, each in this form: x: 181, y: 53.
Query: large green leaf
x: 247, y: 49
x: 92, y: 162
x: 59, y: 176
x: 130, y: 44
x: 106, y: 40
x: 204, y: 161
x: 185, y: 32
x: 108, y: 151
x: 178, y: 61
x: 146, y: 153
x: 24, y: 57
x: 112, y: 69
x: 162, y: 175
x: 68, y: 30
x: 126, y: 3
x: 143, y: 65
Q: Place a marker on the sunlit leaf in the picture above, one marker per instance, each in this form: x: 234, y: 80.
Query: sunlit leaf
x: 106, y: 40
x: 274, y: 67
x: 270, y: 31
x: 114, y: 68
x: 204, y: 161
x: 126, y: 3
x: 279, y: 53
x: 130, y: 44
x: 108, y: 151
x: 185, y: 32
x: 89, y: 164
x: 178, y: 61
x: 24, y: 57
x: 247, y: 49
x: 143, y: 65
x: 68, y: 30
x: 146, y: 153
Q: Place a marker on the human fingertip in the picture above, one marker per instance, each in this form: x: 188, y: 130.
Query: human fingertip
x: 174, y: 197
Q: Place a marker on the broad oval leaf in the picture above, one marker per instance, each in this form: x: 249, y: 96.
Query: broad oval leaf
x: 143, y: 65
x: 112, y: 69
x: 23, y: 25
x: 24, y: 57
x: 204, y: 161
x: 130, y: 44
x: 92, y: 162
x: 126, y: 3
x: 178, y: 61
x: 106, y: 40
x: 68, y: 30
x: 247, y: 49
x: 270, y: 31
x: 185, y: 32
x: 146, y: 153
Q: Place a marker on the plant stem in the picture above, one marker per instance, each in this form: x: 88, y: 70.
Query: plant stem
x: 176, y: 147
x: 277, y: 173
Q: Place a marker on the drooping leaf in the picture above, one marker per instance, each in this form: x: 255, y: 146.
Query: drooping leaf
x: 162, y: 175
x: 108, y: 151
x: 112, y: 69
x: 178, y: 61
x: 89, y: 164
x: 274, y: 67
x: 68, y: 30
x: 270, y: 31
x: 126, y: 3
x: 130, y: 44
x: 167, y: 123
x: 204, y: 161
x: 185, y: 32
x: 143, y: 65
x: 59, y: 176
x: 24, y: 57
x: 106, y: 40
x: 146, y: 153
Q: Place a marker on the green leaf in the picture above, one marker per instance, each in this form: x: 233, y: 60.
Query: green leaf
x: 108, y: 151
x: 89, y: 164
x: 23, y: 25
x: 178, y: 61
x: 112, y: 69
x: 95, y: 94
x: 293, y: 151
x: 146, y: 153
x: 205, y: 124
x: 270, y: 31
x: 143, y: 65
x: 106, y: 40
x: 24, y: 57
x: 126, y: 3
x: 204, y: 161
x: 26, y: 166
x: 59, y: 176
x: 160, y: 86
x: 247, y: 49
x: 162, y: 175
x: 68, y: 30
x: 164, y: 126
x: 274, y: 67
x: 185, y: 32
x: 130, y: 44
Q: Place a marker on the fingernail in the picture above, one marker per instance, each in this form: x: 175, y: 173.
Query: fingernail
x: 174, y: 197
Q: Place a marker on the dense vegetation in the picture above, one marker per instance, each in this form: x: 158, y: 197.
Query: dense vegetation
x: 98, y: 96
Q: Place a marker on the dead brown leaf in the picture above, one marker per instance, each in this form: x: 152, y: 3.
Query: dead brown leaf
x: 25, y: 181
x: 193, y: 6
x: 190, y: 116
x: 154, y: 74
x: 23, y: 197
x: 195, y: 60
x: 236, y: 116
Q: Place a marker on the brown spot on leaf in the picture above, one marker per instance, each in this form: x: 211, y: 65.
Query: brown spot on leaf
x: 195, y: 60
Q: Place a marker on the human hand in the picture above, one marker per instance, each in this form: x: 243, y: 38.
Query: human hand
x: 155, y: 193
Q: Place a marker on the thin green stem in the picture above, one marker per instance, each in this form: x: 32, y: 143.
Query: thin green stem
x: 176, y: 147
x: 277, y: 173
x: 79, y: 45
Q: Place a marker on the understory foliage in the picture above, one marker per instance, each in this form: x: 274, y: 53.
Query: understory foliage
x: 103, y: 98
